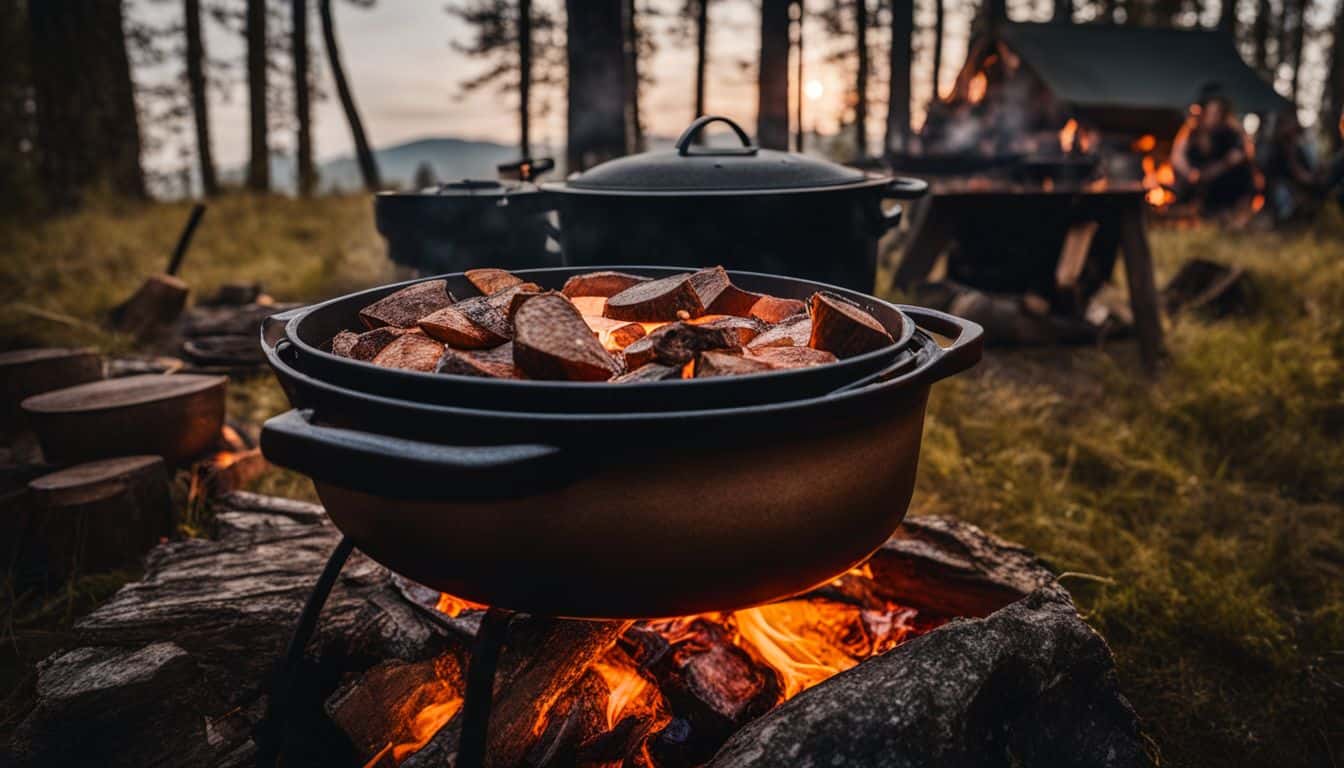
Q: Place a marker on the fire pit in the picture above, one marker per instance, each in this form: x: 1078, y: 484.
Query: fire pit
x: 534, y: 510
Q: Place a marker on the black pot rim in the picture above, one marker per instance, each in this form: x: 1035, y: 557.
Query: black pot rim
x: 871, y: 180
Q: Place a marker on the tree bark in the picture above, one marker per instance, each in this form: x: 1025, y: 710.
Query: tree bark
x: 368, y: 164
x: 772, y: 105
x: 938, y: 27
x: 898, y: 93
x: 524, y: 77
x: 597, y: 91
x: 701, y: 53
x: 861, y: 80
x: 259, y: 161
x: 87, y: 133
x: 200, y: 107
x: 307, y: 173
x: 634, y: 132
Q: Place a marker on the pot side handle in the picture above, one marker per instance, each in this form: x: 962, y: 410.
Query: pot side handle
x: 396, y: 467
x: 900, y: 188
x: 968, y: 341
x: 273, y: 327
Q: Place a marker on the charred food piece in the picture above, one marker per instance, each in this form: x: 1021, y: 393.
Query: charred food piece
x: 791, y: 357
x: 472, y: 324
x: 412, y: 352
x: 678, y: 344
x: 649, y: 372
x: 733, y: 301
x: 656, y: 300
x: 551, y: 341
x: 709, y: 284
x: 711, y: 364
x: 509, y: 299
x: 843, y: 329
x: 365, y: 346
x: 406, y: 307
x: 601, y: 284
x: 614, y: 334
x: 772, y: 309
x: 746, y: 328
x: 794, y: 332
x: 491, y: 280
x: 494, y: 363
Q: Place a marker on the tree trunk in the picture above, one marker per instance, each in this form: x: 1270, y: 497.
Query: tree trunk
x: 634, y: 132
x: 938, y: 27
x: 1108, y: 8
x: 259, y: 161
x: 307, y: 179
x: 1227, y: 17
x: 798, y: 78
x: 368, y: 165
x: 772, y: 105
x: 1260, y: 31
x: 17, y: 178
x: 861, y: 80
x: 1063, y: 12
x: 1334, y: 84
x: 701, y: 53
x: 996, y: 12
x: 597, y: 91
x: 898, y: 93
x: 200, y: 109
x: 87, y: 134
x: 524, y: 78
x: 1296, y: 46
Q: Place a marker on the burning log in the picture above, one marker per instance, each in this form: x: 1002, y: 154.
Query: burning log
x: 709, y: 284
x: 771, y: 309
x: 794, y: 332
x: 843, y: 329
x: 396, y: 707
x: 656, y: 300
x: 745, y: 328
x: 600, y: 284
x: 490, y: 280
x: 711, y: 364
x: 494, y: 363
x: 365, y: 346
x: 406, y: 307
x: 678, y: 344
x: 410, y: 351
x: 472, y: 324
x: 649, y: 372
x: 578, y: 717
x: 553, y: 342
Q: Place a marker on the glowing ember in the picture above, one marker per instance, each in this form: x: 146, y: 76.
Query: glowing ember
x: 977, y: 88
x: 1145, y: 143
x: 1158, y: 180
x: 427, y: 723
x: 454, y: 606
x: 1067, y: 135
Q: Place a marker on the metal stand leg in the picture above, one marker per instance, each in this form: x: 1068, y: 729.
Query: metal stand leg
x: 270, y: 732
x: 481, y: 687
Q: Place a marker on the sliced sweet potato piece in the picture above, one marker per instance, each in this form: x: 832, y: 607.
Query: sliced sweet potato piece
x: 365, y: 346
x: 551, y: 341
x: 794, y: 332
x: 746, y: 328
x: 343, y: 342
x: 791, y: 357
x: 494, y: 363
x: 404, y: 308
x: 656, y: 300
x: 490, y: 280
x: 411, y: 351
x: 677, y: 344
x: 712, y: 364
x: 733, y: 301
x: 772, y: 309
x: 843, y: 329
x: 508, y: 300
x: 649, y: 372
x: 614, y: 335
x: 471, y: 324
x: 709, y: 284
x: 601, y: 284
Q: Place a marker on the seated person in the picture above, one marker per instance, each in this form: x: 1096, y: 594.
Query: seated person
x: 1288, y: 167
x: 1212, y: 158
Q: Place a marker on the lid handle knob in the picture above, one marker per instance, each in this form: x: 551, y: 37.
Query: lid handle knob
x: 692, y: 130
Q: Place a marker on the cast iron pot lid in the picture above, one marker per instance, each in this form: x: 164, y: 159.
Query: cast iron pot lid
x: 705, y: 170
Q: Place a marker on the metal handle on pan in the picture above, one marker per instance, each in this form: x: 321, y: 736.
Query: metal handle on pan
x: 965, y: 351
x: 900, y: 188
x: 273, y: 327
x: 409, y: 469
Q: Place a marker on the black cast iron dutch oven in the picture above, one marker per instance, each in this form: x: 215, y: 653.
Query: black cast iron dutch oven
x: 309, y: 331
x: 618, y: 515
x: 744, y: 207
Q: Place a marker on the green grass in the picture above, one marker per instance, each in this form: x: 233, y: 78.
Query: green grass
x: 1203, y: 510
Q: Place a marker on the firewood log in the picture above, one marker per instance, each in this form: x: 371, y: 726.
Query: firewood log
x: 791, y: 357
x: 158, y: 302
x: 711, y: 364
x: 746, y: 328
x: 601, y: 284
x: 733, y: 301
x: 412, y: 352
x: 490, y: 280
x: 794, y: 332
x: 494, y: 363
x: 553, y: 342
x: 472, y: 324
x: 771, y: 309
x: 656, y: 300
x: 649, y: 372
x: 404, y: 308
x: 366, y: 346
x: 677, y: 344
x: 843, y: 329
x: 709, y: 284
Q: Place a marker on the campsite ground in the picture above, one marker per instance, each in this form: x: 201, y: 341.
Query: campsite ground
x: 1198, y: 518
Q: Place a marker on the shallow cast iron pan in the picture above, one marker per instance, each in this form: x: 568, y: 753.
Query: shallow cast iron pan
x: 308, y: 332
x: 620, y: 515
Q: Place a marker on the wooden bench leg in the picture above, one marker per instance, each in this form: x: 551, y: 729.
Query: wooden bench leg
x: 1142, y: 286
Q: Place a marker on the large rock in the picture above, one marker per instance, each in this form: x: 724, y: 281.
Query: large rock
x: 1030, y: 685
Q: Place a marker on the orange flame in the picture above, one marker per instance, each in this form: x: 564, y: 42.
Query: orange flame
x: 1145, y: 143
x: 454, y: 606
x: 1067, y: 135
x: 426, y: 723
x: 977, y: 88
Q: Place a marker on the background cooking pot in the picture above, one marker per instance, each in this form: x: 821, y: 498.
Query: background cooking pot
x: 310, y: 329
x: 743, y: 207
x: 618, y: 514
